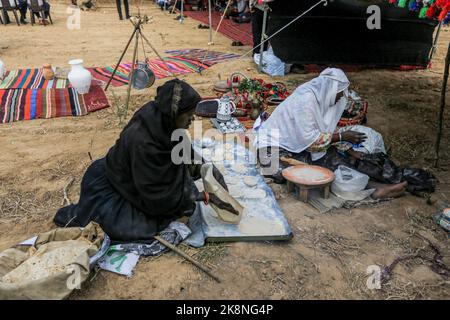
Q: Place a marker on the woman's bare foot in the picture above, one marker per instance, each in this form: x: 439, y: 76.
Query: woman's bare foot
x: 390, y: 191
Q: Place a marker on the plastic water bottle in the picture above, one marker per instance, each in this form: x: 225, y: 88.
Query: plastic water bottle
x: 442, y: 217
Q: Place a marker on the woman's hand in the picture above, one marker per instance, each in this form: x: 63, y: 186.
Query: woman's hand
x: 353, y: 137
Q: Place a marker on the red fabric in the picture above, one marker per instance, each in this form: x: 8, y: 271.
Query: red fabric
x: 235, y: 31
x: 96, y: 99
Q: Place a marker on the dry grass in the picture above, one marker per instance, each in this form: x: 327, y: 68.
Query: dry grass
x: 336, y: 246
x: 409, y: 289
x: 18, y: 206
x: 210, y: 254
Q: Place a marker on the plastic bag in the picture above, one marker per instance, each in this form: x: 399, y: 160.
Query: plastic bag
x: 271, y: 64
x: 374, y: 142
x: 350, y: 180
x: 380, y: 168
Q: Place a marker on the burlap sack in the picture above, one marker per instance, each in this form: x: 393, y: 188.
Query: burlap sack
x: 58, y: 263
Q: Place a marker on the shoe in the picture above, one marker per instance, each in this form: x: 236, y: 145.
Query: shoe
x: 23, y: 21
x: 66, y: 217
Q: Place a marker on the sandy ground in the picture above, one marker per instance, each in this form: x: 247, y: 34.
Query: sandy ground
x: 329, y: 254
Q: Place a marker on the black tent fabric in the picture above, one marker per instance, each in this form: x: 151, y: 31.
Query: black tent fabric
x: 338, y: 33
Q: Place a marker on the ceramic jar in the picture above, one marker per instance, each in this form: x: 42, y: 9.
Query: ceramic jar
x: 48, y: 72
x: 79, y: 77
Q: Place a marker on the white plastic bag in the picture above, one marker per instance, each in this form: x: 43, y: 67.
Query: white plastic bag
x: 350, y: 180
x: 350, y: 184
x: 374, y: 142
x: 271, y: 64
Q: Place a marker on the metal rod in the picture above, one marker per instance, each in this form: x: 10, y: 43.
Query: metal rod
x: 188, y: 258
x: 442, y: 106
x: 436, y: 39
x: 263, y: 37
x: 210, y: 22
x: 120, y: 59
x: 182, y: 12
x: 159, y: 56
x: 127, y: 102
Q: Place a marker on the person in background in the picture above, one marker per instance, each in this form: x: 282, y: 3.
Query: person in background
x: 119, y: 9
x: 165, y: 4
x: 22, y: 5
x: 239, y: 11
x: 46, y: 6
x: 304, y: 127
x: 257, y: 24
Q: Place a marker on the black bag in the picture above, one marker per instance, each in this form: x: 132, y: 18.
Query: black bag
x: 207, y: 108
x: 380, y: 168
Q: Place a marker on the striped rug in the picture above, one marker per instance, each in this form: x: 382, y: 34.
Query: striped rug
x: 29, y: 104
x: 176, y: 65
x: 235, y: 31
x: 205, y: 56
x: 30, y: 79
x: 33, y: 78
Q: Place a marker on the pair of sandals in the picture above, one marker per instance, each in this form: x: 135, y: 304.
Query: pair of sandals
x: 202, y: 26
x: 237, y: 44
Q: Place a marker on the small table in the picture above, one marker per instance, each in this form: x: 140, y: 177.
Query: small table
x: 306, y: 177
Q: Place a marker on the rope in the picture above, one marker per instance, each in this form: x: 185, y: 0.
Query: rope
x: 273, y: 35
x: 285, y: 27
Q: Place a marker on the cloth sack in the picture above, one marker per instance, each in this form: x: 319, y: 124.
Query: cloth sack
x: 51, y: 266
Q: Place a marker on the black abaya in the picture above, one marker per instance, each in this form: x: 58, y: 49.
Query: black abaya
x: 137, y: 190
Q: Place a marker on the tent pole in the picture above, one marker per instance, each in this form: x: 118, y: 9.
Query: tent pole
x: 210, y: 23
x: 441, y: 110
x: 263, y: 38
x: 182, y: 12
x: 436, y: 39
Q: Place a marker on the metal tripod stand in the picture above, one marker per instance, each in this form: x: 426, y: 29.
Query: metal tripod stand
x: 137, y: 22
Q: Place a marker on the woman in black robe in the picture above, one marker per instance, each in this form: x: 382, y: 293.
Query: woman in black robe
x: 137, y: 190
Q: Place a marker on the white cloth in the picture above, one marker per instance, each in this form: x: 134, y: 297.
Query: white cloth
x: 309, y: 111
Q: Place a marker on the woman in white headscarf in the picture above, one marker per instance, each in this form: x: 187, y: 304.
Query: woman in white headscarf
x: 304, y: 127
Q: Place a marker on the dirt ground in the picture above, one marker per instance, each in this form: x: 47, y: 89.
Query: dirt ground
x: 329, y: 254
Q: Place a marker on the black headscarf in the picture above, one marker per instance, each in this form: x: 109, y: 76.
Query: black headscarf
x: 139, y: 165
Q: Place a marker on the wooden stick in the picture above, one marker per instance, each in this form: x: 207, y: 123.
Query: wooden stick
x: 292, y: 162
x: 66, y: 197
x: 188, y: 258
x: 441, y: 110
